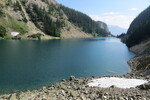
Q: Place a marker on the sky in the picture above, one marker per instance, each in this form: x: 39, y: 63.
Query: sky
x: 113, y: 12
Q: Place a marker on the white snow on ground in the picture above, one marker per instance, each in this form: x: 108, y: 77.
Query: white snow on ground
x: 15, y: 33
x: 106, y: 82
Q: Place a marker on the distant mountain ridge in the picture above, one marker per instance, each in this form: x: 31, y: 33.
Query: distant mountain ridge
x: 116, y: 30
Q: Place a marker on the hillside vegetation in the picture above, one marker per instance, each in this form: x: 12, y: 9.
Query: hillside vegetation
x: 47, y: 17
x: 139, y: 29
x: 84, y: 22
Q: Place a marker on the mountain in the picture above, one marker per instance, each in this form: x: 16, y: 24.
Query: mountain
x: 138, y: 41
x: 84, y: 22
x: 139, y: 29
x: 43, y: 19
x: 104, y: 26
x: 116, y: 30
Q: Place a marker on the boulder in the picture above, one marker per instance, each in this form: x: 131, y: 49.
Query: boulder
x: 113, y: 86
x: 63, y: 80
x: 72, y: 78
x: 13, y: 97
x: 145, y: 86
x: 74, y: 93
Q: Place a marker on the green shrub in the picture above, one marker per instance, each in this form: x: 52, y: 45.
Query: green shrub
x: 2, y: 31
x: 17, y: 6
x: 16, y: 38
x: 1, y: 11
x: 38, y: 35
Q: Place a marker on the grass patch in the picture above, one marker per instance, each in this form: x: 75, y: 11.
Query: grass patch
x: 10, y: 23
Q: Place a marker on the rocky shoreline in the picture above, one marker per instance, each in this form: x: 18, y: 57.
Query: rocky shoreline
x: 140, y: 64
x: 77, y: 89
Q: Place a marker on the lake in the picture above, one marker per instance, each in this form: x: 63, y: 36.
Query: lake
x: 31, y: 64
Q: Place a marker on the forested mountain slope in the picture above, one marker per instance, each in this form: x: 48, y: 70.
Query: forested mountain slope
x: 139, y: 29
x: 84, y: 22
x: 44, y: 18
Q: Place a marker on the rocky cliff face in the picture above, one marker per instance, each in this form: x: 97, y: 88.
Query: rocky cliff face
x: 29, y: 17
x: 140, y: 64
x: 103, y: 26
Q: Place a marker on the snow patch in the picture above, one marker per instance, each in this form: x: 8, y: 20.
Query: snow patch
x: 106, y: 82
x: 15, y: 33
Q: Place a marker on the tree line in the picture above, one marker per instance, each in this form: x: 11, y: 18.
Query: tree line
x: 83, y: 21
x: 42, y: 19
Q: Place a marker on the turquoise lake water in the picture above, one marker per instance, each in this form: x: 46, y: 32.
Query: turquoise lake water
x: 31, y: 64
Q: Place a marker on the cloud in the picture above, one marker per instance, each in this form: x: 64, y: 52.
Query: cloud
x: 120, y: 20
x: 110, y: 13
x: 133, y: 9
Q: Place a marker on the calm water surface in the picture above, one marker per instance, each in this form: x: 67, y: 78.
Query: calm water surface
x: 32, y: 64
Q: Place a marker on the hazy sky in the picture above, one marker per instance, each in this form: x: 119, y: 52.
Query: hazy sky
x: 113, y: 12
